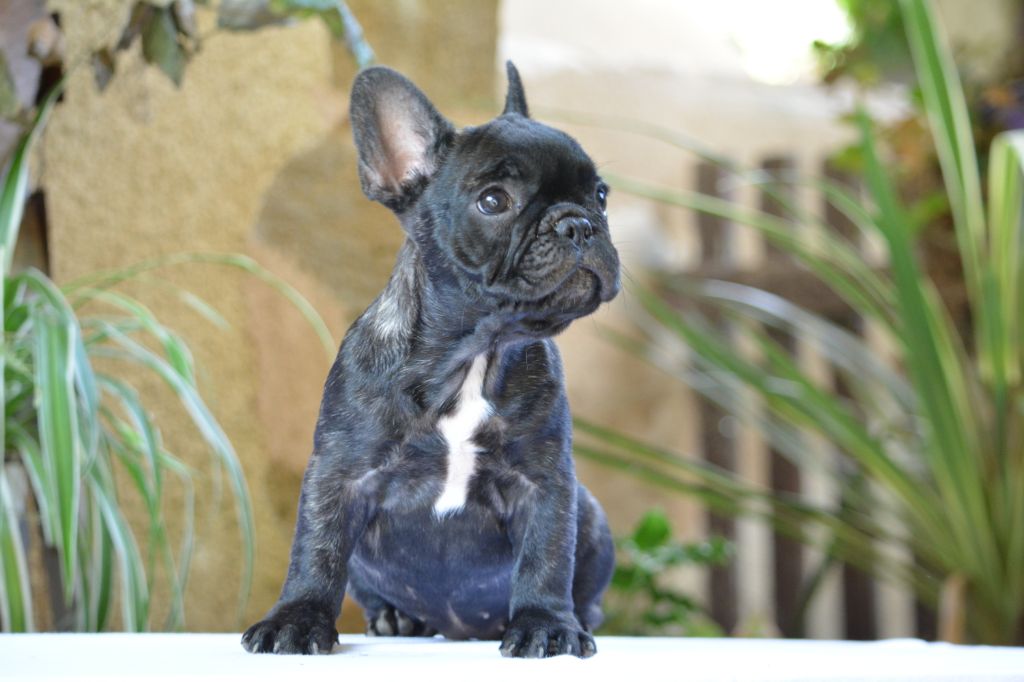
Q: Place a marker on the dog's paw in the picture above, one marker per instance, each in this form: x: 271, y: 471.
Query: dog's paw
x: 292, y: 628
x: 390, y: 622
x: 537, y: 634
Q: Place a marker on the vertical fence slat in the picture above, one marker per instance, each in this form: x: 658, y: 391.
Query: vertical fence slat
x: 859, y: 593
x: 787, y: 558
x: 717, y: 445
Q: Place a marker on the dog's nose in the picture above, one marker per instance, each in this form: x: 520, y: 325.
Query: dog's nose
x: 575, y: 228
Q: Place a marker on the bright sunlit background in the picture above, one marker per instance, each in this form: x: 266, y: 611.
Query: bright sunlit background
x: 767, y: 41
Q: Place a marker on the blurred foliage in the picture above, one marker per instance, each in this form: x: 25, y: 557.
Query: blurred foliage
x: 641, y: 600
x: 252, y: 14
x: 876, y: 51
x: 926, y: 442
x: 73, y: 430
x: 169, y: 34
x: 170, y: 37
x: 83, y: 451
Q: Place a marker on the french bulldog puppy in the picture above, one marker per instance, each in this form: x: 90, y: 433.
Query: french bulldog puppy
x: 441, y: 491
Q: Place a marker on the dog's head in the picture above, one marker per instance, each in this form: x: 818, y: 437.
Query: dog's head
x: 513, y: 209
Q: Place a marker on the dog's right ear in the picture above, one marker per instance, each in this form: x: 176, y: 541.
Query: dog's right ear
x: 400, y: 136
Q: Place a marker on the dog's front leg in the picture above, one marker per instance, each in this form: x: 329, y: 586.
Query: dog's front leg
x: 543, y: 533
x: 333, y: 513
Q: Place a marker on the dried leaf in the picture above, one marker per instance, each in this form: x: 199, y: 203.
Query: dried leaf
x: 9, y: 105
x: 103, y: 67
x: 142, y: 14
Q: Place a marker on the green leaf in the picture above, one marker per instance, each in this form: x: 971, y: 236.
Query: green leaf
x: 15, y: 187
x: 946, y: 107
x: 160, y: 44
x: 97, y: 571
x: 174, y: 348
x: 109, y: 278
x: 937, y: 369
x: 148, y: 437
x: 834, y: 261
x: 12, y: 206
x: 16, y: 317
x: 850, y: 354
x: 652, y: 531
x: 204, y: 309
x: 1004, y: 305
x: 131, y: 351
x: 58, y: 430
x: 43, y: 487
x: 134, y: 594
x: 15, y: 590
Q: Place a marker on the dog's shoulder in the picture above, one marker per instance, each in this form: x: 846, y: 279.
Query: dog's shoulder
x: 379, y: 340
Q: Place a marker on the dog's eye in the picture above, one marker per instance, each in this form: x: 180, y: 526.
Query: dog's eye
x: 493, y: 201
x: 602, y: 196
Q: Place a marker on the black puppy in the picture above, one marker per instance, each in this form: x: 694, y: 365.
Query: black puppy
x: 441, y: 490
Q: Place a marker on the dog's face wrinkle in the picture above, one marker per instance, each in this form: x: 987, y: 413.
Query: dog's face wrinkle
x: 564, y: 175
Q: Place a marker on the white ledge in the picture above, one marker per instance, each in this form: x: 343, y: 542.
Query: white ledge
x: 220, y: 657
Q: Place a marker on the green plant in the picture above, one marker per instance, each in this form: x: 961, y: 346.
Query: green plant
x: 639, y: 602
x: 86, y: 440
x: 932, y: 442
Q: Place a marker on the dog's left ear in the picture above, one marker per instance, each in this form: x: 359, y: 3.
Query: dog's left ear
x: 400, y: 136
x: 515, y: 99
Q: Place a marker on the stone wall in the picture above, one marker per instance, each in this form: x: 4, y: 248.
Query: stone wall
x: 251, y: 155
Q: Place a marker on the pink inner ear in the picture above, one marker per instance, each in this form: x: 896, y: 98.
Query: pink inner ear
x: 404, y: 146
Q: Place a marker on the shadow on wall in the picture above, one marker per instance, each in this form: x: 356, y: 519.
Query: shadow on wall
x: 316, y: 226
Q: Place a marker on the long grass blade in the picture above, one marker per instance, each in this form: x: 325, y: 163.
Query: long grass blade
x: 136, y: 446
x: 946, y: 107
x: 179, y: 572
x: 108, y: 278
x: 12, y: 206
x: 57, y: 413
x: 1006, y: 255
x: 177, y: 352
x: 941, y: 380
x: 43, y: 490
x: 15, y: 590
x: 726, y: 494
x: 142, y: 434
x: 810, y: 407
x: 134, y: 594
x: 13, y: 191
x: 98, y: 571
x: 131, y: 351
x: 834, y: 261
x: 845, y: 351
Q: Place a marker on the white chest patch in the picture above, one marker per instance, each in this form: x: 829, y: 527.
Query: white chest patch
x: 471, y: 410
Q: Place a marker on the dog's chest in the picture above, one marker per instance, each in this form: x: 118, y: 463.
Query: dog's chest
x: 457, y: 429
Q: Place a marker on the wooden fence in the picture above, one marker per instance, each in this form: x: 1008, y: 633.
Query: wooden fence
x: 767, y: 579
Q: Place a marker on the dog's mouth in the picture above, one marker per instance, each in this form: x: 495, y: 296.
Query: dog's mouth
x: 550, y: 269
x: 583, y: 290
x: 581, y: 294
x: 589, y: 281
